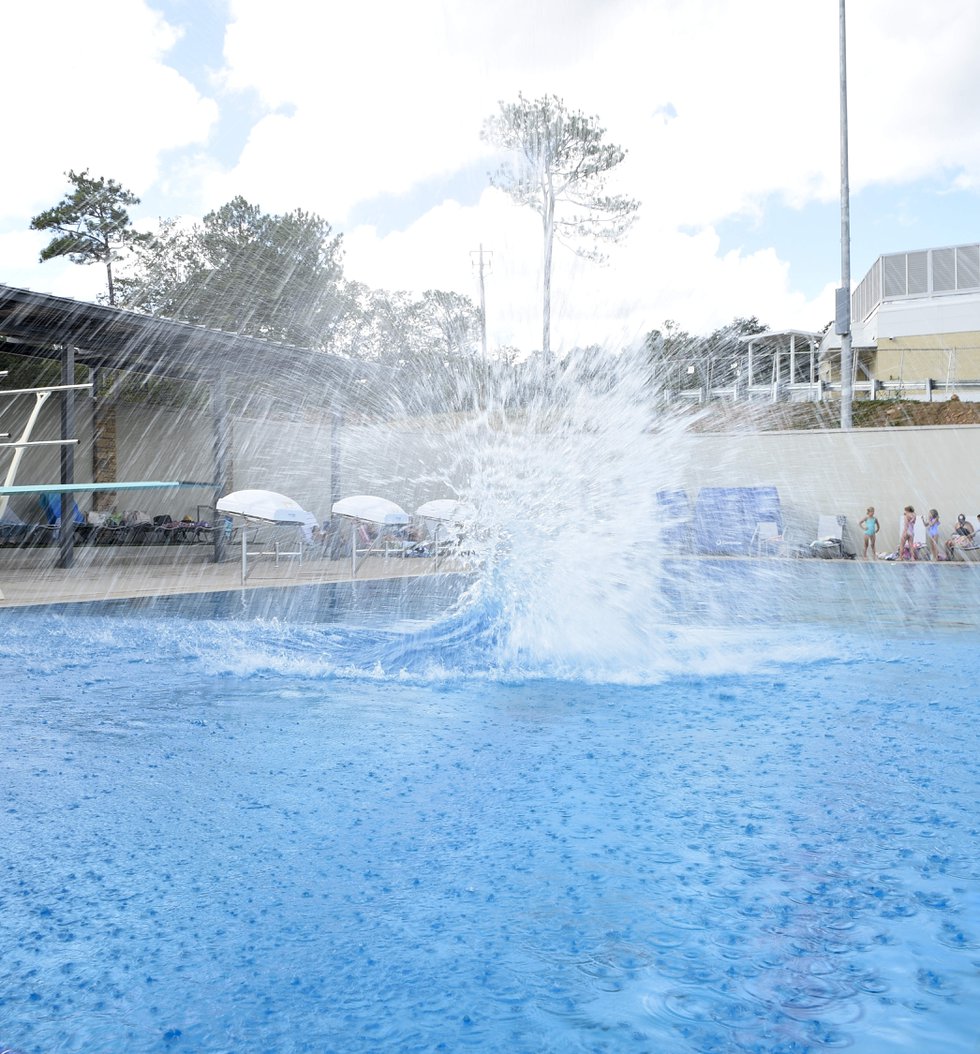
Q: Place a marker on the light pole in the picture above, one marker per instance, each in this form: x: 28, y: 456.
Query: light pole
x: 483, y: 299
x: 843, y: 323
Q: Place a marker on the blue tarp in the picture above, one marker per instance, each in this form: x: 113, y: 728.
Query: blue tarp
x: 51, y: 506
x: 725, y: 518
x: 674, y: 511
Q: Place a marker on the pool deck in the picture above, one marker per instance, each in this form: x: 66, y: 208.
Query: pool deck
x: 32, y: 577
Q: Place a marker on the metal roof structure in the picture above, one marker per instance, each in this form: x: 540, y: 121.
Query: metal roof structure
x: 58, y: 329
x: 38, y: 325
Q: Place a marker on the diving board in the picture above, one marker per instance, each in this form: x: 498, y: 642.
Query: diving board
x: 71, y: 488
x: 88, y: 488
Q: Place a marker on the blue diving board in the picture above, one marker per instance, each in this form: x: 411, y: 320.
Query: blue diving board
x: 86, y: 488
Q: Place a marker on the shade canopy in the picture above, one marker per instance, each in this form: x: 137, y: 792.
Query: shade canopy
x: 371, y: 509
x: 265, y: 505
x: 448, y: 510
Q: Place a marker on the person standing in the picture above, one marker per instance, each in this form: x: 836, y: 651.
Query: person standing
x: 908, y: 533
x: 870, y: 527
x: 932, y: 533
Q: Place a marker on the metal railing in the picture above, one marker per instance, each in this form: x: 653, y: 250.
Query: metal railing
x: 923, y: 390
x: 926, y: 272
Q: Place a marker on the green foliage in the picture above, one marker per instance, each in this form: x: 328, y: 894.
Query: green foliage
x: 421, y: 353
x: 33, y: 372
x: 91, y: 224
x: 558, y: 165
x: 679, y: 359
x: 243, y: 271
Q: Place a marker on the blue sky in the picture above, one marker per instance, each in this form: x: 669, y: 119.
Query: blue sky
x: 369, y: 115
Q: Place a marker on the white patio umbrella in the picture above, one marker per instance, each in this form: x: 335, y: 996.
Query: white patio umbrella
x: 269, y: 507
x: 441, y: 515
x: 265, y: 505
x: 371, y: 509
x: 368, y: 508
x: 449, y: 510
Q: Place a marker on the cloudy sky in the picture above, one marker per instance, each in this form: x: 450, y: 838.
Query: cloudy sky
x: 369, y: 115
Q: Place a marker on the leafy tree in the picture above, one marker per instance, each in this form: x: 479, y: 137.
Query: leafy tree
x: 91, y: 224
x: 558, y: 166
x: 243, y: 271
x: 683, y: 360
x: 422, y: 353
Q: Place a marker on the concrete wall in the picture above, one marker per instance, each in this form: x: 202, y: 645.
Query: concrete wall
x: 816, y: 473
x: 945, y: 357
x: 830, y: 473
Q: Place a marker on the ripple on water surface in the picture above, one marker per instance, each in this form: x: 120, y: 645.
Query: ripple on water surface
x: 218, y: 838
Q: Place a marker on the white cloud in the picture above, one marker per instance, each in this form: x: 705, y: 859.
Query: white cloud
x: 654, y: 275
x: 94, y: 93
x: 723, y: 106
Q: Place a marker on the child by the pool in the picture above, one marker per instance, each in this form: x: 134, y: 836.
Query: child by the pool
x: 870, y: 527
x: 932, y: 533
x: 906, y: 544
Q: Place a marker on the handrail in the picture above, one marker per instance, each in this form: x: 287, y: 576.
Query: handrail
x: 41, y: 396
x: 815, y: 391
x: 50, y: 388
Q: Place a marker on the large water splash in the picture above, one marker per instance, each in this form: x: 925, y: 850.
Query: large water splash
x: 567, y: 531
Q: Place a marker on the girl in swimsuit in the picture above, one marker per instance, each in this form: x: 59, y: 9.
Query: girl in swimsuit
x: 870, y: 527
x: 908, y: 534
x: 932, y: 533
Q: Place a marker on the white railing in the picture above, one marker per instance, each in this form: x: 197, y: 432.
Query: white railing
x: 924, y: 390
x: 927, y: 272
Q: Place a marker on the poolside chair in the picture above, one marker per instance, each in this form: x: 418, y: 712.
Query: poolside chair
x: 769, y: 539
x: 829, y: 543
x: 443, y: 522
x: 13, y: 530
x: 375, y: 524
x: 51, y: 507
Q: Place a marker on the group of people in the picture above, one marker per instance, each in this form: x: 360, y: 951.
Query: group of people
x: 963, y: 534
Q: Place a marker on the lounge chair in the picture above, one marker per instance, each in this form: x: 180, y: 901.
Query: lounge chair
x: 769, y: 539
x: 272, y: 510
x: 51, y: 507
x: 968, y: 553
x: 13, y: 530
x: 375, y: 526
x: 444, y: 522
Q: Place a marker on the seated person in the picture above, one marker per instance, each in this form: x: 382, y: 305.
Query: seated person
x: 963, y: 534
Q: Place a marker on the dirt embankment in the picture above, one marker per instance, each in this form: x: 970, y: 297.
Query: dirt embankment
x: 882, y: 413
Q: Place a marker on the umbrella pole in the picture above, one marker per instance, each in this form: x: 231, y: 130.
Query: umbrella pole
x: 244, y: 552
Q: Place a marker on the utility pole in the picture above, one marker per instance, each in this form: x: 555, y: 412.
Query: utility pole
x: 483, y: 299
x: 843, y: 322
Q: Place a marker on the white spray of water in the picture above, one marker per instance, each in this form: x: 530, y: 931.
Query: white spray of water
x: 568, y: 528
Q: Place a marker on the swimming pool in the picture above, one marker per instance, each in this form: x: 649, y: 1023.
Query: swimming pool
x: 345, y: 824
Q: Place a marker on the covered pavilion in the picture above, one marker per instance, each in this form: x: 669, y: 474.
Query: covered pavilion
x: 57, y: 329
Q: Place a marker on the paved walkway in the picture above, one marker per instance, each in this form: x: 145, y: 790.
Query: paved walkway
x: 30, y: 576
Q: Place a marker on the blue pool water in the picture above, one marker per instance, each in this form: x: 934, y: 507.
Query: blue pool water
x: 333, y: 821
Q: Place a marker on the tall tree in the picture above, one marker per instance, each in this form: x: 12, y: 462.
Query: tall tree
x: 681, y: 360
x: 422, y: 352
x: 91, y: 224
x: 244, y: 271
x: 558, y: 165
